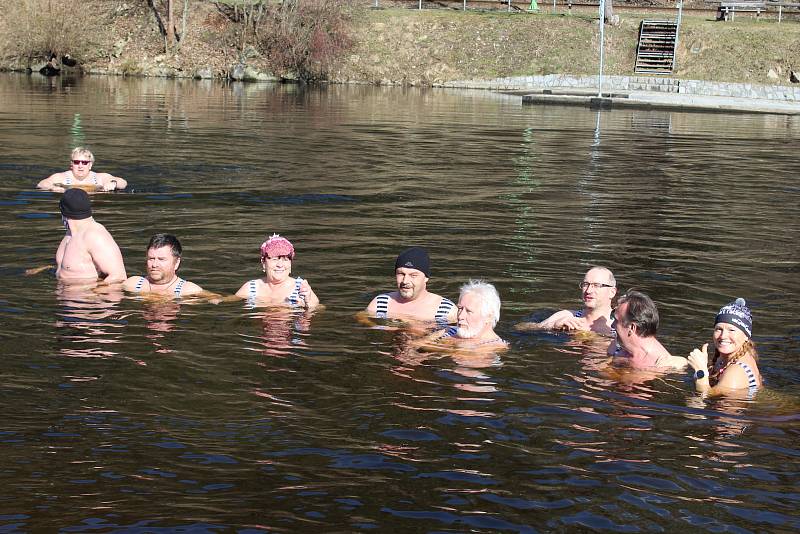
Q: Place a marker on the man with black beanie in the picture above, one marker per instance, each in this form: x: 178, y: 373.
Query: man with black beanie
x: 412, y: 300
x: 87, y: 252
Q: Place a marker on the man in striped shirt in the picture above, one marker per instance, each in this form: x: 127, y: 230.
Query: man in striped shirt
x: 412, y: 300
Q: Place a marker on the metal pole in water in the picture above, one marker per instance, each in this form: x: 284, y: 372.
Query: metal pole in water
x: 602, y: 37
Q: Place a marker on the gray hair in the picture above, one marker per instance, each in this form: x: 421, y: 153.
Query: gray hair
x: 490, y: 298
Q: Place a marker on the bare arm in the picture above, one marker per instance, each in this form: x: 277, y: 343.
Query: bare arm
x: 36, y: 270
x: 308, y: 296
x: 106, y: 256
x: 50, y: 182
x: 244, y: 291
x: 431, y: 342
x: 676, y: 362
x: 548, y: 324
x: 111, y: 182
x: 130, y: 283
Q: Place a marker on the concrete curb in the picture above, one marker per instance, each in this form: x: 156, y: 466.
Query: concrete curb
x: 643, y: 100
x: 645, y: 92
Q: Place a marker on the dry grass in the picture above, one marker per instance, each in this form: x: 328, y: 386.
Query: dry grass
x: 433, y: 46
x: 409, y: 46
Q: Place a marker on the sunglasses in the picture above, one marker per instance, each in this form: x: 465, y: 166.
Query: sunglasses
x: 81, y: 162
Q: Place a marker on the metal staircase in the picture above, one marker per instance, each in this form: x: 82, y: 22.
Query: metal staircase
x: 655, y: 53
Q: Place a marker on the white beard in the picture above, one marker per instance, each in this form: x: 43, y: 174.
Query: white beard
x: 465, y: 332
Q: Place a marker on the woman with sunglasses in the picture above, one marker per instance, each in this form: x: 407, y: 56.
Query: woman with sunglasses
x: 277, y: 287
x: 81, y: 175
x: 734, y: 368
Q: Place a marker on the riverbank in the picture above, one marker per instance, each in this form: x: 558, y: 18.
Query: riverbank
x: 437, y: 47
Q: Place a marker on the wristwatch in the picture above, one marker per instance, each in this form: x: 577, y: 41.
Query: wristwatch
x: 699, y: 374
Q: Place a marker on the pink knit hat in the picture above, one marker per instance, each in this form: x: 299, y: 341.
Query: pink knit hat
x: 276, y: 246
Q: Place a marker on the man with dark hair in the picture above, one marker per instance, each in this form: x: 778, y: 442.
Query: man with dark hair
x: 87, y: 251
x: 163, y: 259
x: 412, y: 300
x: 635, y: 321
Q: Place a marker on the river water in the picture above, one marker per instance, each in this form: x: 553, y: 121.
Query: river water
x: 124, y: 414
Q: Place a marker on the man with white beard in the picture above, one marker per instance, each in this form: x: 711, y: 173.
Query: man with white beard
x: 478, y: 313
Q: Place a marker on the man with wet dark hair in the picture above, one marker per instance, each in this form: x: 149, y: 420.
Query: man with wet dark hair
x: 635, y: 322
x: 163, y: 259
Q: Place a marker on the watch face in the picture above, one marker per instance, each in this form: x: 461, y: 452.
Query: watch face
x: 699, y: 374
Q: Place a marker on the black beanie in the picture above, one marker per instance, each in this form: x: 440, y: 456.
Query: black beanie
x: 415, y: 258
x: 75, y: 204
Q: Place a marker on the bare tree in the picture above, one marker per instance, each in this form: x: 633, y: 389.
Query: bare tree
x: 168, y: 30
x: 608, y: 13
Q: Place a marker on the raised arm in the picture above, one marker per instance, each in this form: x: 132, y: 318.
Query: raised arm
x: 308, y: 296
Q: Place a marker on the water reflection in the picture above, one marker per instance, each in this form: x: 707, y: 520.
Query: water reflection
x: 295, y: 422
x: 90, y: 316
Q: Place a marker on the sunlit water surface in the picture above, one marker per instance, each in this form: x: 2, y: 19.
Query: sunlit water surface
x: 128, y: 414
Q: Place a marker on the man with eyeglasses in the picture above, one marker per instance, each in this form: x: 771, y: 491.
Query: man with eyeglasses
x: 635, y: 323
x: 598, y: 288
x: 81, y: 175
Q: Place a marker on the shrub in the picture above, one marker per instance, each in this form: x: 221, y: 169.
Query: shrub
x: 36, y: 28
x: 305, y: 37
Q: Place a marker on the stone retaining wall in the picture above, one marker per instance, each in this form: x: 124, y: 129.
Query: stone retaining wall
x: 780, y: 93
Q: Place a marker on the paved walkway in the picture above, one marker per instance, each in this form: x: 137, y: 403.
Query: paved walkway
x: 646, y: 92
x: 654, y: 100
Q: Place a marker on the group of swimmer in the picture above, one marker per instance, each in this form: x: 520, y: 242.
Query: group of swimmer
x: 88, y: 253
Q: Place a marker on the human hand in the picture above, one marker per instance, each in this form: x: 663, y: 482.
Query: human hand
x: 111, y: 185
x: 304, y: 291
x: 698, y: 358
x: 569, y: 323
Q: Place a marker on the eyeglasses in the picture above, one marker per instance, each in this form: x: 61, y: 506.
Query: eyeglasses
x: 81, y: 161
x: 593, y: 285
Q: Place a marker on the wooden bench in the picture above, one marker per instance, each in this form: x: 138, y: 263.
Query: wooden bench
x: 727, y: 8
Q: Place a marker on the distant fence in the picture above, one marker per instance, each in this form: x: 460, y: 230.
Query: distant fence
x: 779, y: 8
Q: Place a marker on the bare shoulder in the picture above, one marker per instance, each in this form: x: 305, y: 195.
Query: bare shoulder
x: 98, y: 234
x: 373, y: 304
x: 190, y: 288
x: 130, y: 283
x: 244, y: 290
x: 735, y: 377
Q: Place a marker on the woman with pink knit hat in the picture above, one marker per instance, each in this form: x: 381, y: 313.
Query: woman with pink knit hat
x: 734, y: 368
x: 277, y: 287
